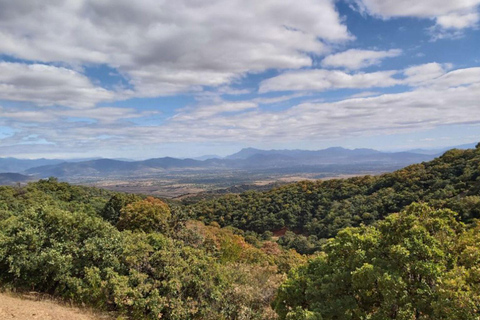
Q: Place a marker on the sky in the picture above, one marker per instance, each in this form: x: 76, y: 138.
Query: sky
x: 184, y: 78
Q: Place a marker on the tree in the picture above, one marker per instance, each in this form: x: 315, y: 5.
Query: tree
x: 409, y: 266
x: 149, y: 215
x: 111, y: 210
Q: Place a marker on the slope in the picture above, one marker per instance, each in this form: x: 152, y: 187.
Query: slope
x: 320, y: 209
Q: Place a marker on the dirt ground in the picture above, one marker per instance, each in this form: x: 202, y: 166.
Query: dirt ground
x: 27, y: 307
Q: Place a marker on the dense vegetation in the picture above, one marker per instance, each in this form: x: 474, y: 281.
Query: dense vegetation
x: 419, y: 264
x: 146, y: 262
x: 147, y: 259
x: 318, y: 210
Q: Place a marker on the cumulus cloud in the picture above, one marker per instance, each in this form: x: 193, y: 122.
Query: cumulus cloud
x: 456, y: 78
x: 321, y: 80
x: 170, y: 46
x: 458, y: 14
x: 447, y: 100
x: 48, y: 85
x: 451, y: 98
x: 202, y: 112
x: 458, y: 20
x: 354, y: 59
x: 57, y: 116
x: 424, y: 73
x: 429, y: 74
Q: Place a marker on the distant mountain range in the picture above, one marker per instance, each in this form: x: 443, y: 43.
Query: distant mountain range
x: 20, y: 165
x: 10, y: 178
x: 249, y: 159
x: 442, y: 150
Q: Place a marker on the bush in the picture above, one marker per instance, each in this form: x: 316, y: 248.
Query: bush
x: 419, y: 264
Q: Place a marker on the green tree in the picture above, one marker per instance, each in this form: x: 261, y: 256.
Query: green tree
x: 408, y: 266
x: 112, y: 209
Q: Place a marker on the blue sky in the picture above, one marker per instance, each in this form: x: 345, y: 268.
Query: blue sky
x: 117, y: 78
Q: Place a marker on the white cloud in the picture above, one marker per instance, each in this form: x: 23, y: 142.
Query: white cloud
x: 457, y: 78
x: 457, y: 14
x: 429, y: 74
x: 321, y: 80
x: 354, y: 59
x: 424, y: 73
x: 48, y: 85
x: 53, y: 116
x: 414, y: 8
x: 164, y: 47
x: 202, y: 112
x: 452, y: 98
x: 458, y: 20
x: 443, y: 102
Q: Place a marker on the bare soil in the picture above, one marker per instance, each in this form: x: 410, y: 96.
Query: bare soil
x: 32, y: 307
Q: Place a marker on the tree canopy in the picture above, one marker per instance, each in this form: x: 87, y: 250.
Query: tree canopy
x: 320, y: 209
x: 418, y: 264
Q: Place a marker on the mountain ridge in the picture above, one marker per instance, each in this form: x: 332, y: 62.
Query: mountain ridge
x: 245, y: 159
x: 252, y: 159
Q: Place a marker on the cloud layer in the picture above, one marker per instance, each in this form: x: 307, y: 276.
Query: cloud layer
x: 244, y: 71
x: 451, y: 98
x: 458, y: 14
x: 354, y: 59
x: 47, y: 85
x: 322, y: 80
x: 164, y: 47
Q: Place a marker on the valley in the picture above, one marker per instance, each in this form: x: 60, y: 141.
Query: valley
x: 247, y: 169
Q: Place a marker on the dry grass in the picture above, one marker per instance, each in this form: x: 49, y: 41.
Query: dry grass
x: 33, y: 306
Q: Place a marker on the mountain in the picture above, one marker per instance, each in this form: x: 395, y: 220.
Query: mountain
x: 20, y: 165
x: 250, y: 159
x: 207, y: 156
x: 11, y: 178
x: 334, y: 152
x: 442, y: 150
x: 335, y: 155
x: 109, y: 167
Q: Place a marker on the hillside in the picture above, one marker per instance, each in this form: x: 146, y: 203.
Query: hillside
x: 143, y: 258
x: 137, y: 256
x: 322, y: 208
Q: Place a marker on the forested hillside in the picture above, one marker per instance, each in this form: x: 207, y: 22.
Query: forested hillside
x: 143, y: 258
x: 136, y: 256
x: 320, y: 209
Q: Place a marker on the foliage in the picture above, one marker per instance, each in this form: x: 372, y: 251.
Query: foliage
x: 419, y: 264
x: 148, y: 215
x: 53, y: 239
x: 144, y: 259
x: 322, y: 208
x: 111, y: 210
